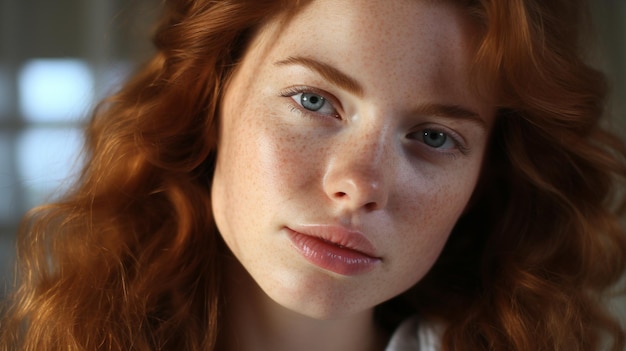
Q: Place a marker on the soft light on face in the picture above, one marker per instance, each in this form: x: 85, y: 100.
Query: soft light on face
x: 350, y: 144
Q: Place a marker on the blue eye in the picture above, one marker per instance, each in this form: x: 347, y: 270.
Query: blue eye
x: 312, y: 102
x: 435, y: 139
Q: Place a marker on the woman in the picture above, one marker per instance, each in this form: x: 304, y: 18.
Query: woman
x: 338, y: 175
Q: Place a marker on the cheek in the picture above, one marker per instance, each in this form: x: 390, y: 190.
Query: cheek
x: 263, y: 157
x: 436, y: 196
x: 429, y: 212
x: 283, y: 159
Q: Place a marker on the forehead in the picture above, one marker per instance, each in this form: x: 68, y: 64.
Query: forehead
x: 410, y: 40
x: 383, y: 23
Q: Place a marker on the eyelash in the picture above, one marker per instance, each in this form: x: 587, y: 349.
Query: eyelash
x: 457, y: 140
x: 296, y: 107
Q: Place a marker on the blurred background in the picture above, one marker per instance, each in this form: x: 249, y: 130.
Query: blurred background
x: 59, y: 57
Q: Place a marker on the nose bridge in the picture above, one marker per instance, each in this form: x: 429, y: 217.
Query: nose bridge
x: 369, y: 153
x: 357, y: 173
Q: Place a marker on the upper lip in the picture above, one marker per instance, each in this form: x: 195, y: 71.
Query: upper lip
x: 340, y: 236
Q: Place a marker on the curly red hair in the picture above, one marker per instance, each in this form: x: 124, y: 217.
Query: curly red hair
x: 131, y: 258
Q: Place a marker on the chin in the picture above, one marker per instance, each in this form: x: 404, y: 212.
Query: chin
x: 322, y: 297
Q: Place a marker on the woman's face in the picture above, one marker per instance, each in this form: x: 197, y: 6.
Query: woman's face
x: 350, y: 143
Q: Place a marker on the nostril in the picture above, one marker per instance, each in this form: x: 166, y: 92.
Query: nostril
x: 341, y: 194
x: 357, y: 192
x: 371, y: 206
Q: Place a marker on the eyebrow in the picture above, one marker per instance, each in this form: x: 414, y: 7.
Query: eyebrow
x: 345, y: 81
x: 450, y: 111
x: 327, y: 71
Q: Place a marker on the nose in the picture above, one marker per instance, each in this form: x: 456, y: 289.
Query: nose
x: 355, y: 177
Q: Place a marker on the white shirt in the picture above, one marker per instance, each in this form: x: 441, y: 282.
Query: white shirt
x: 413, y: 335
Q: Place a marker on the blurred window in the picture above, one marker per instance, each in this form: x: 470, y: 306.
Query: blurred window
x: 55, y: 90
x: 53, y: 71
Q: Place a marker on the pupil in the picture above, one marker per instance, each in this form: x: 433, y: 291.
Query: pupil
x: 312, y: 102
x: 434, y: 139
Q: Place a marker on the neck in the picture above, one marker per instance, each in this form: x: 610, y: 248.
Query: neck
x: 256, y: 322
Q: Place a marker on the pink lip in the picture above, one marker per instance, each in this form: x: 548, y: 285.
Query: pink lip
x: 334, y: 248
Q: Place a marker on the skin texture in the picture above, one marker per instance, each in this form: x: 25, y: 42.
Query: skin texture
x: 360, y: 162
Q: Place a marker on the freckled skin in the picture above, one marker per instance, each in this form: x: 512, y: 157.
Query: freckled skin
x: 277, y: 168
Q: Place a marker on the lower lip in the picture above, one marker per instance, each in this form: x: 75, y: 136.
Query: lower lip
x: 331, y: 257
